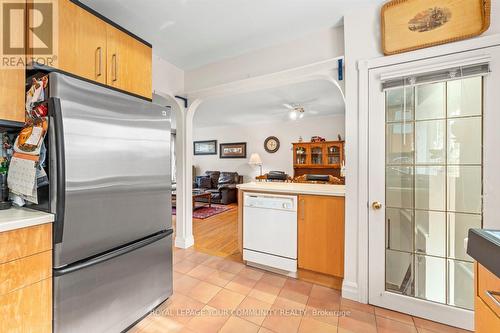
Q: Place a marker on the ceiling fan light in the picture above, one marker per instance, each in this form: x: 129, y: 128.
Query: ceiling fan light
x: 301, y: 115
x: 293, y: 115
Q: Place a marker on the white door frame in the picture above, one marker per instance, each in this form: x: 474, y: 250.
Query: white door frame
x: 364, y: 69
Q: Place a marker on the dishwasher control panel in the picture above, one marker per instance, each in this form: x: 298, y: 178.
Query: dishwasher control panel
x: 270, y: 202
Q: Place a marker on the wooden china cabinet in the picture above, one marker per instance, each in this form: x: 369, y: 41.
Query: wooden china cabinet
x: 323, y: 158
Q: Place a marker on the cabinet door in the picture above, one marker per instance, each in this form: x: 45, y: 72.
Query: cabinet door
x: 12, y: 94
x: 81, y: 42
x: 300, y: 154
x: 317, y: 153
x: 28, y: 309
x: 321, y: 234
x: 129, y: 63
x: 486, y: 320
x: 12, y: 84
x: 333, y: 154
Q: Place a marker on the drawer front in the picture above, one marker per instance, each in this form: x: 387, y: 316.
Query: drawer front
x: 486, y: 321
x: 488, y: 288
x: 27, y: 310
x: 23, y: 272
x: 111, y: 295
x: 24, y: 242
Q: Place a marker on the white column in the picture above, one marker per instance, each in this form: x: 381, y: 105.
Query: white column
x: 184, y: 232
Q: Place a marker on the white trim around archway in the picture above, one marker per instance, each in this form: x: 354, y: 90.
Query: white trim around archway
x: 183, y: 230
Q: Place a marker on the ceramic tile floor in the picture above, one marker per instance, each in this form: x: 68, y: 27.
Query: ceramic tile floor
x: 213, y: 294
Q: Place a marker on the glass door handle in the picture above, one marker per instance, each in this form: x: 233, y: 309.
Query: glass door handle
x: 376, y: 205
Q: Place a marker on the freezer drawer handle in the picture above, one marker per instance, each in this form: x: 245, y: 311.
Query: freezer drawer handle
x: 113, y: 254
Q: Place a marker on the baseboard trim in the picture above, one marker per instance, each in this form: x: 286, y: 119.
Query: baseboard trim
x: 350, y: 290
x: 184, y: 243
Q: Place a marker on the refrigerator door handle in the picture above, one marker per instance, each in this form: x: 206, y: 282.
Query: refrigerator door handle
x: 55, y: 107
x: 113, y: 254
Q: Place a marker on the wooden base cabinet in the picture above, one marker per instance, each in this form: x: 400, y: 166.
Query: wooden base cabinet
x: 485, y: 320
x: 487, y: 300
x: 26, y: 280
x: 321, y: 234
x: 28, y: 310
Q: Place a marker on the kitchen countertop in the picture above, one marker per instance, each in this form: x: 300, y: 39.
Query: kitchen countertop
x: 484, y: 246
x: 294, y: 188
x: 17, y: 218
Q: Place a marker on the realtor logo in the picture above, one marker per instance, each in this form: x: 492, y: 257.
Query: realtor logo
x: 29, y: 32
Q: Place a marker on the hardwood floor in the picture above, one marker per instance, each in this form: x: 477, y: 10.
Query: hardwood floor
x: 218, y: 235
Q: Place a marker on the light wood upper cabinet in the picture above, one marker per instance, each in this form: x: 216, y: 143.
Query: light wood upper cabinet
x: 82, y: 42
x: 321, y: 234
x: 96, y: 50
x: 12, y: 94
x: 129, y: 63
x: 12, y: 84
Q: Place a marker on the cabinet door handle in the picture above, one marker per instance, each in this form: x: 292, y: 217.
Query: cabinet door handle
x: 493, y: 296
x: 114, y: 62
x: 98, y: 53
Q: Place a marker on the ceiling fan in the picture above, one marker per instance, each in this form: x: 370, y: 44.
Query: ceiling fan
x: 297, y: 111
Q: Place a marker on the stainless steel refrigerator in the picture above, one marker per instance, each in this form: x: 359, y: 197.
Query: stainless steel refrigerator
x: 109, y: 174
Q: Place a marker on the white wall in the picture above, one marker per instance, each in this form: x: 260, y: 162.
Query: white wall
x: 362, y: 41
x: 255, y: 134
x: 315, y: 47
x: 495, y: 18
x: 167, y: 78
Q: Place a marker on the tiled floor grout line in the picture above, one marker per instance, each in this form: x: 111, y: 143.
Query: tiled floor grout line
x: 278, y: 293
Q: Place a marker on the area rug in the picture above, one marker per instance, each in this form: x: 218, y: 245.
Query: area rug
x: 205, y: 212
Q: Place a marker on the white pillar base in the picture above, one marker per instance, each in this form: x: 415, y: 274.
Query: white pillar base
x: 184, y: 242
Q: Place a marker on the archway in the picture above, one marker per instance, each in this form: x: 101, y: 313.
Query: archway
x: 326, y: 71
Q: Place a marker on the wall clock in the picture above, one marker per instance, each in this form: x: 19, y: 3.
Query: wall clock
x: 272, y: 144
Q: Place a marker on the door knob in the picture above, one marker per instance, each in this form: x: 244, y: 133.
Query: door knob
x: 376, y: 205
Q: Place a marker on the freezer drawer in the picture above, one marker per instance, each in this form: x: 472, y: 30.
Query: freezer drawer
x: 111, y: 295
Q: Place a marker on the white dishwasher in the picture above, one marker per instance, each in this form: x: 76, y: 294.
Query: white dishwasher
x: 270, y: 230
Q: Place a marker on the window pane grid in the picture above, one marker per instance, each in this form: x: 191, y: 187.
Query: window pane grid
x: 433, y: 189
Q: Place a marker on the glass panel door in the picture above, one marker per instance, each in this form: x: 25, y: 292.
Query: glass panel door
x: 334, y: 154
x: 433, y: 191
x: 316, y: 155
x: 300, y: 155
x: 432, y: 174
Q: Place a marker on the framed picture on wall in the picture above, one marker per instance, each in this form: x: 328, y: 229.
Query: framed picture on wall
x: 233, y: 150
x: 207, y: 147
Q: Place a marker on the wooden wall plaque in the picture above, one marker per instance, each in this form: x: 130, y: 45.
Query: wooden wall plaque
x: 409, y: 25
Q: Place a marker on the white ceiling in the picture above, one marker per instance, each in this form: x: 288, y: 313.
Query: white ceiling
x: 320, y: 98
x: 192, y: 33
